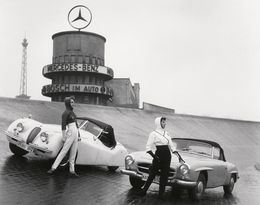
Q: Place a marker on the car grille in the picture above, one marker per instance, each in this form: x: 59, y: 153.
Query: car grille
x: 33, y: 134
x: 144, y: 168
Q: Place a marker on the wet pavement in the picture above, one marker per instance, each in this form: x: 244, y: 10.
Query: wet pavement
x: 24, y: 181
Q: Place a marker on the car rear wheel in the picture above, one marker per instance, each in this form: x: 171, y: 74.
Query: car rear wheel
x: 196, y: 193
x: 112, y: 168
x: 17, y: 150
x: 136, y: 182
x: 229, y: 188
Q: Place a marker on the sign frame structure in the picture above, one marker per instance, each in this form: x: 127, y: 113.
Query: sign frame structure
x: 84, y: 20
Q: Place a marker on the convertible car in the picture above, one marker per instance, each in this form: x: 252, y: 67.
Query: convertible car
x: 98, y: 145
x: 196, y: 165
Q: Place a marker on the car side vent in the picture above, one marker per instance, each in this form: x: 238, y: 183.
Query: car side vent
x: 33, y: 134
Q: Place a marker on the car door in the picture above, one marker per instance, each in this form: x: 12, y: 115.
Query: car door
x: 88, y: 147
x: 219, y: 170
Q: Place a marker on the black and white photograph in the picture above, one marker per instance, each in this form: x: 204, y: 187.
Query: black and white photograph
x: 130, y: 102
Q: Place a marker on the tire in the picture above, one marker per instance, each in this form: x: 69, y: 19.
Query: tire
x: 197, y: 192
x: 177, y: 192
x: 136, y: 182
x: 229, y: 187
x: 17, y: 151
x: 112, y: 168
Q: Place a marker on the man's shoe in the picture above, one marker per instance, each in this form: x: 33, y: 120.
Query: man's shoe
x: 73, y: 174
x: 51, y: 171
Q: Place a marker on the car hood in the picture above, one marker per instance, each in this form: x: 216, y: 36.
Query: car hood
x: 52, y: 128
x: 193, y: 160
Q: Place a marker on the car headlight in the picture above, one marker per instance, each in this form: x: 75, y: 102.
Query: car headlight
x: 184, y: 169
x: 44, y: 137
x: 19, y: 127
x: 128, y: 161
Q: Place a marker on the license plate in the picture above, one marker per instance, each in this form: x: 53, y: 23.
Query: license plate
x: 24, y: 146
x: 156, y: 178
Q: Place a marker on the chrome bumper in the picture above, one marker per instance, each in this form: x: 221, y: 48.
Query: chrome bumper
x: 12, y: 136
x: 131, y: 173
x: 18, y: 141
x: 182, y: 183
x: 173, y: 182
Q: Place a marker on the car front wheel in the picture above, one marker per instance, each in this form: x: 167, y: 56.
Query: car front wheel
x: 136, y: 182
x: 17, y: 150
x: 197, y: 192
x: 229, y: 187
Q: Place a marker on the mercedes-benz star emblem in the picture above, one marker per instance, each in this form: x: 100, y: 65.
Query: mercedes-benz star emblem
x: 79, y: 17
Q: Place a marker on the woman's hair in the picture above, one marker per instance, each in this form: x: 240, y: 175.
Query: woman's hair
x: 163, y: 118
x: 67, y: 102
x: 72, y: 97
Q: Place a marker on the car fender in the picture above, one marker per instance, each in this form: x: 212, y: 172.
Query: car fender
x: 203, y: 169
x: 194, y: 173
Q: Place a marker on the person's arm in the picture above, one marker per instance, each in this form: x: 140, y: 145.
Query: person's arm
x: 150, y: 145
x: 172, y: 146
x: 153, y: 155
x: 64, y: 135
x: 63, y: 125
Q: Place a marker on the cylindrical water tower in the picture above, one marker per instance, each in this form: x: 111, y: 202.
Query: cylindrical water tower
x: 78, y: 68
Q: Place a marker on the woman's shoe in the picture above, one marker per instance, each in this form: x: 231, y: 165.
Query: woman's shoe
x: 73, y: 174
x: 51, y: 171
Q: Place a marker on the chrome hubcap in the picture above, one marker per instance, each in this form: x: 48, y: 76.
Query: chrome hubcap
x: 200, y: 188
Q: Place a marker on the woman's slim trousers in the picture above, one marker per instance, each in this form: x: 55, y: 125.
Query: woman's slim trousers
x: 71, y: 144
x: 163, y: 165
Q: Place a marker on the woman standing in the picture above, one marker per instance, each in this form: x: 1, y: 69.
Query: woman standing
x: 159, y: 140
x: 70, y: 137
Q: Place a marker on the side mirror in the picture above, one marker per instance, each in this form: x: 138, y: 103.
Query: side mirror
x: 94, y: 138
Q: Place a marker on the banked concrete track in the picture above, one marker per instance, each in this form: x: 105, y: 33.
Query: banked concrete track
x: 240, y: 139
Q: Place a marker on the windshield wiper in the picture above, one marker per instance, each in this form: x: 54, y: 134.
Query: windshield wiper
x: 203, y: 153
x: 186, y: 149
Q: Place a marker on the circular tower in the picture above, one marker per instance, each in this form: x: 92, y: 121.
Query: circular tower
x: 78, y: 68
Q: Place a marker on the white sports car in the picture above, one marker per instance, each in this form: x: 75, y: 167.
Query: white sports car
x: 97, y: 146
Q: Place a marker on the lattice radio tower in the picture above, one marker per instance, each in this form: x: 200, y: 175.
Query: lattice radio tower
x: 23, y: 80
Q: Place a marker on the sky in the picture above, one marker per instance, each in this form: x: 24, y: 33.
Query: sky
x: 199, y: 57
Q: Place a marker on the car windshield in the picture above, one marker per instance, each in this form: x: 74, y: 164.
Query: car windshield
x: 91, y: 127
x: 194, y: 147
